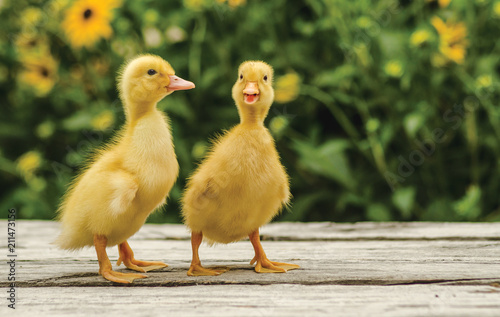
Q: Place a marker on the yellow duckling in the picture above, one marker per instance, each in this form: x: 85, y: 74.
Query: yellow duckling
x: 241, y: 185
x: 130, y: 177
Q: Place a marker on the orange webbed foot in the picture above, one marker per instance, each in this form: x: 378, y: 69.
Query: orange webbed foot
x: 105, y: 268
x: 198, y: 270
x: 265, y: 266
x: 118, y: 277
x: 127, y: 257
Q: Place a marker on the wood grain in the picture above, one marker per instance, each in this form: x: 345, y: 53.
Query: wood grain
x: 362, y: 269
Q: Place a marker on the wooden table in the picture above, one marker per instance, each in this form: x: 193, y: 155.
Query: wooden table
x: 361, y: 269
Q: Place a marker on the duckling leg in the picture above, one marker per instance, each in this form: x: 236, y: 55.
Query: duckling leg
x: 196, y: 269
x: 105, y: 268
x: 127, y: 256
x: 263, y: 264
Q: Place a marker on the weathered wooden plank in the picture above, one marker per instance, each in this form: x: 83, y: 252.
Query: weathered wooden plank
x: 253, y: 300
x: 325, y: 231
x: 365, y: 262
x: 360, y: 263
x: 386, y: 269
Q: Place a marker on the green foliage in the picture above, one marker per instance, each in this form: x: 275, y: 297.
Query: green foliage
x: 385, y: 110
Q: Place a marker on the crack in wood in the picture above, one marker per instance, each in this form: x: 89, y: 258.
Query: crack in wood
x: 69, y: 281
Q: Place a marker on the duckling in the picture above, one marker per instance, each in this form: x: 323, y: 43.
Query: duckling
x: 241, y: 184
x: 130, y: 177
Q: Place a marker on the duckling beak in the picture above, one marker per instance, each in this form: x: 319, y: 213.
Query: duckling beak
x: 177, y: 83
x: 251, y: 92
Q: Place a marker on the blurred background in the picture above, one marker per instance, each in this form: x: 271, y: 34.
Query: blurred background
x: 384, y: 110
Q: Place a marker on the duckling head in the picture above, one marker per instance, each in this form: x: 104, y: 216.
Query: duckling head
x: 253, y: 91
x: 147, y: 79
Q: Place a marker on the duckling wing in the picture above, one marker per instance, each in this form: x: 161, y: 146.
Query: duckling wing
x: 123, y: 191
x: 95, y: 203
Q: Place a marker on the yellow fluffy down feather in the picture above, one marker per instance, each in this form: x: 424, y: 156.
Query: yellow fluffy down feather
x: 241, y: 185
x: 132, y: 176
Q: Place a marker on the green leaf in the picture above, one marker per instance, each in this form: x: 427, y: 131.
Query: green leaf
x: 302, y: 205
x: 78, y: 121
x: 333, y: 78
x: 392, y: 43
x: 378, y: 212
x: 404, y: 198
x: 439, y: 210
x: 327, y: 160
x: 412, y: 123
x: 469, y: 206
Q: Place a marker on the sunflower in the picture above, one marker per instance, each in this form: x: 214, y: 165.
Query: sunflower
x: 40, y: 73
x: 31, y: 42
x: 452, y: 39
x: 87, y: 21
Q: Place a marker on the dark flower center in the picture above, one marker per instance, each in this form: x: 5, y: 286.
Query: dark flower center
x: 87, y: 14
x: 45, y: 72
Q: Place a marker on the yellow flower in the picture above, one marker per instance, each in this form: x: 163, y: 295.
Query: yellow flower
x: 441, y: 3
x: 364, y: 22
x: 199, y: 150
x: 40, y: 72
x: 287, y: 88
x: 28, y: 163
x: 87, y: 21
x: 151, y: 16
x: 56, y: 6
x: 496, y: 9
x: 103, y: 121
x: 36, y: 183
x: 236, y: 3
x: 31, y: 42
x: 45, y: 129
x: 452, y: 41
x: 419, y: 37
x: 394, y: 68
x: 484, y: 81
x: 195, y: 5
x: 31, y: 16
x: 372, y: 125
x: 233, y: 3
x: 438, y: 60
x: 278, y: 124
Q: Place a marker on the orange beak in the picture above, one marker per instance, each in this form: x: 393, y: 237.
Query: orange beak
x: 251, y: 92
x: 177, y: 83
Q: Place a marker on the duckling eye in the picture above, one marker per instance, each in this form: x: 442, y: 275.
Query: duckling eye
x: 265, y: 77
x: 151, y: 72
x: 241, y: 76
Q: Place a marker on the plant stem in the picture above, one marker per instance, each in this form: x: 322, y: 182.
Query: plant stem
x: 328, y: 101
x: 471, y: 132
x: 195, y: 52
